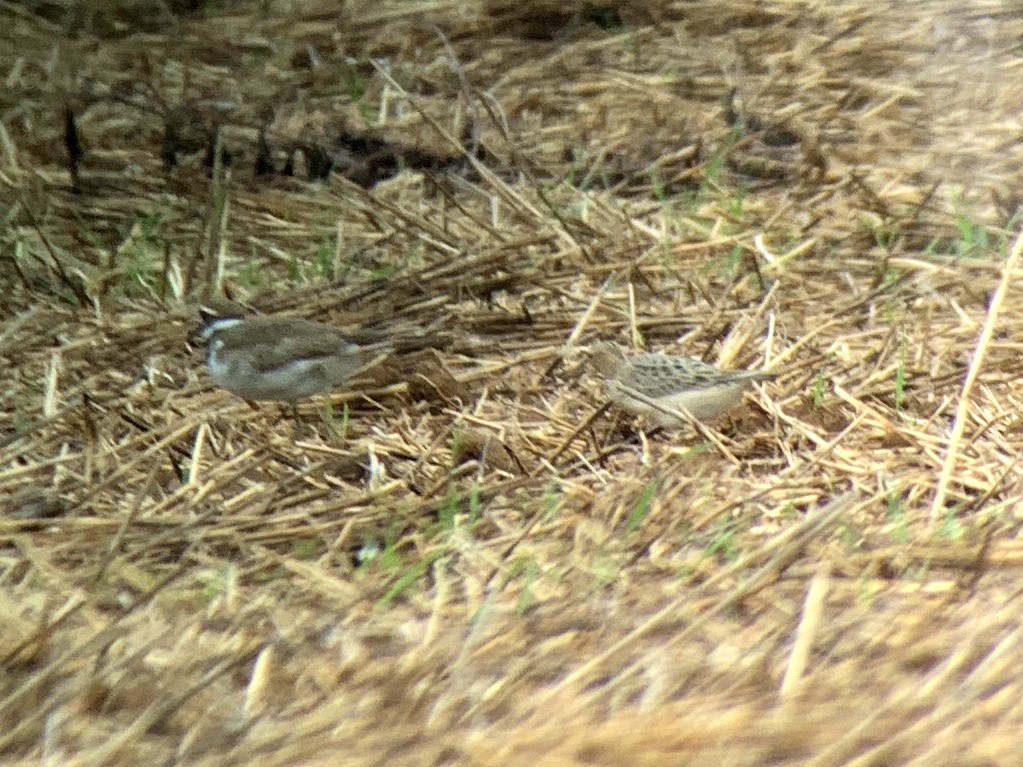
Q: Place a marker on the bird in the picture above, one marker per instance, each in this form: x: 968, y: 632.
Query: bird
x: 662, y: 385
x: 275, y: 358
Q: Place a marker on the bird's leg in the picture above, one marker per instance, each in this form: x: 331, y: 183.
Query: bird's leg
x: 300, y: 426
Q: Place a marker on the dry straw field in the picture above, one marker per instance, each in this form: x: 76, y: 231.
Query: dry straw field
x: 465, y: 558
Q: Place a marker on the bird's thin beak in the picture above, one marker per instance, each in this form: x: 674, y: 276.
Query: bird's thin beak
x: 194, y: 337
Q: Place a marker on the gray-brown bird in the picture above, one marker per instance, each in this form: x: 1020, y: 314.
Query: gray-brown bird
x: 275, y: 358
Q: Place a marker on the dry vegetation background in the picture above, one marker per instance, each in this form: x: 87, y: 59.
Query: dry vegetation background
x: 466, y: 561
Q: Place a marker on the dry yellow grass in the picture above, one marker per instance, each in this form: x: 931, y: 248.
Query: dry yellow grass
x: 466, y: 560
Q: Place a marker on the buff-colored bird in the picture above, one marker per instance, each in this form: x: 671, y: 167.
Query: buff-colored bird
x: 661, y: 385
